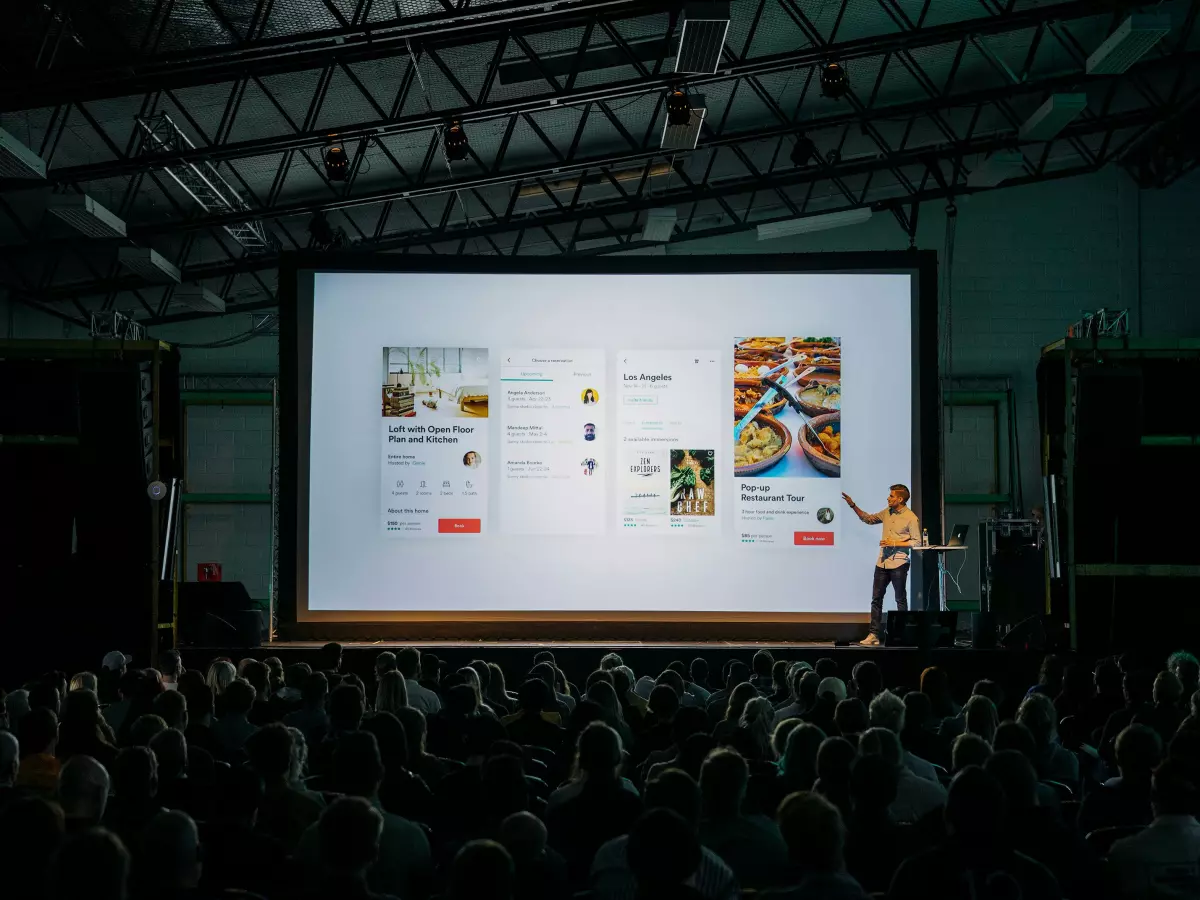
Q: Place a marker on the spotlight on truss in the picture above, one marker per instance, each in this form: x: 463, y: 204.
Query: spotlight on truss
x: 804, y: 151
x: 834, y: 81
x: 337, y: 166
x: 683, y: 132
x: 455, y: 142
x: 679, y: 109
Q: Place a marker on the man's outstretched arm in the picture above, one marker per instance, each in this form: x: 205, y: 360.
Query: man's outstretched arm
x: 865, y: 517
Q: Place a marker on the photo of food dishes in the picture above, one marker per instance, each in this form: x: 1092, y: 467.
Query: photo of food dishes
x: 787, y: 402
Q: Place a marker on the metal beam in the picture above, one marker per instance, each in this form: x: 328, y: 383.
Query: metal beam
x: 681, y: 194
x: 557, y: 168
x: 874, y: 45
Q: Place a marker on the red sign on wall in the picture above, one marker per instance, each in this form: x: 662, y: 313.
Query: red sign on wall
x: 208, y: 572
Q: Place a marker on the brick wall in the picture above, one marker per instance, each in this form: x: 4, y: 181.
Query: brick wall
x: 1027, y: 261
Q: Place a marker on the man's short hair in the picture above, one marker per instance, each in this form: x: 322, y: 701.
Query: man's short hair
x: 873, y: 783
x: 257, y: 674
x: 94, y: 864
x: 699, y: 670
x: 295, y: 674
x: 200, y: 700
x: 169, y: 856
x: 1173, y: 788
x: 827, y: 667
x: 882, y: 742
x: 813, y: 830
x: 762, y: 663
x: 357, y: 764
x: 902, y: 490
x: 385, y: 662
x: 37, y: 731
x: 524, y: 836
x: 969, y: 750
x: 610, y: 661
x: 239, y: 697
x: 83, y: 786
x: 135, y: 775
x: 171, y: 750
x: 809, y: 683
x: 974, y: 804
x: 348, y: 834
x: 481, y: 870
x: 543, y: 656
x: 850, y: 716
x: 171, y: 707
x: 887, y: 711
x: 346, y: 707
x: 673, y: 680
x: 270, y: 751
x: 1138, y: 750
x: 663, y: 851
x: 723, y: 780
x: 677, y: 791
x: 664, y: 701
x: 144, y: 729
x: 1012, y: 735
x: 868, y: 680
x: 331, y: 657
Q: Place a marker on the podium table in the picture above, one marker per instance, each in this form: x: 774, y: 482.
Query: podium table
x: 939, y: 552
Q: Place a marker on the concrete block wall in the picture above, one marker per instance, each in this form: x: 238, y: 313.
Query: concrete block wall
x: 1027, y: 262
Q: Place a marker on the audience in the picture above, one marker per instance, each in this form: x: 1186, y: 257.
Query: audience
x: 1161, y: 860
x: 751, y: 845
x: 437, y: 781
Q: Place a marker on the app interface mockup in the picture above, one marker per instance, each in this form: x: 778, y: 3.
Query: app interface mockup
x: 604, y: 442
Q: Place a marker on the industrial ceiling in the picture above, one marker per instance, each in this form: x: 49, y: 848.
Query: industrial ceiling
x: 152, y: 149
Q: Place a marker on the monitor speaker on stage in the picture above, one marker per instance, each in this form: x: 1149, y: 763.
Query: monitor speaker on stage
x: 983, y: 631
x: 218, y: 614
x: 1039, y: 632
x: 920, y: 628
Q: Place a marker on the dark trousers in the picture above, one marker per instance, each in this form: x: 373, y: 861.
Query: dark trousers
x: 898, y: 579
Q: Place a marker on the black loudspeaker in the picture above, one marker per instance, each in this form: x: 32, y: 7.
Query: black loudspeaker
x: 983, y: 631
x: 218, y: 614
x: 919, y: 628
x: 1035, y: 633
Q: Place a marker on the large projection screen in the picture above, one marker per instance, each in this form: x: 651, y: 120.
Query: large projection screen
x: 557, y: 441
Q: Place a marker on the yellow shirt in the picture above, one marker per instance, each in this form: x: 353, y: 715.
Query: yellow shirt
x: 899, y: 525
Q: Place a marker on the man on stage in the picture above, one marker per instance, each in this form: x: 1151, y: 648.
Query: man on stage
x: 901, y: 530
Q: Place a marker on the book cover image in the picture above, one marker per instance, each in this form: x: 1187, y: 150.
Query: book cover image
x: 693, y: 482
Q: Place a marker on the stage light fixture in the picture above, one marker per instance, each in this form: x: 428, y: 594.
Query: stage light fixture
x: 834, y: 81
x: 804, y: 151
x: 679, y: 109
x: 455, y: 142
x: 337, y: 166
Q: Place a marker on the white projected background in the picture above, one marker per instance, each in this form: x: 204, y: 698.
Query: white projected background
x: 354, y: 565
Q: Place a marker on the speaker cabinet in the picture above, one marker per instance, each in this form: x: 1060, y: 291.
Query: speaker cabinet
x: 919, y: 628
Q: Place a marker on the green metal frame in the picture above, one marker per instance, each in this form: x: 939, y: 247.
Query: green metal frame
x: 217, y: 398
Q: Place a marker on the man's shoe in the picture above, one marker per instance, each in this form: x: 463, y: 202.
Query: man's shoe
x: 869, y: 641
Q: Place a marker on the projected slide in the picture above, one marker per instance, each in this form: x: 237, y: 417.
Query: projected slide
x: 567, y: 443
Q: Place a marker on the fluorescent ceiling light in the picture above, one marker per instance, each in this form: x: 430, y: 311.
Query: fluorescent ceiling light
x: 1128, y: 44
x: 149, y: 265
x: 1000, y: 166
x: 808, y: 224
x: 703, y: 37
x: 1059, y: 111
x: 17, y: 160
x: 660, y: 225
x: 199, y: 298
x: 86, y: 216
